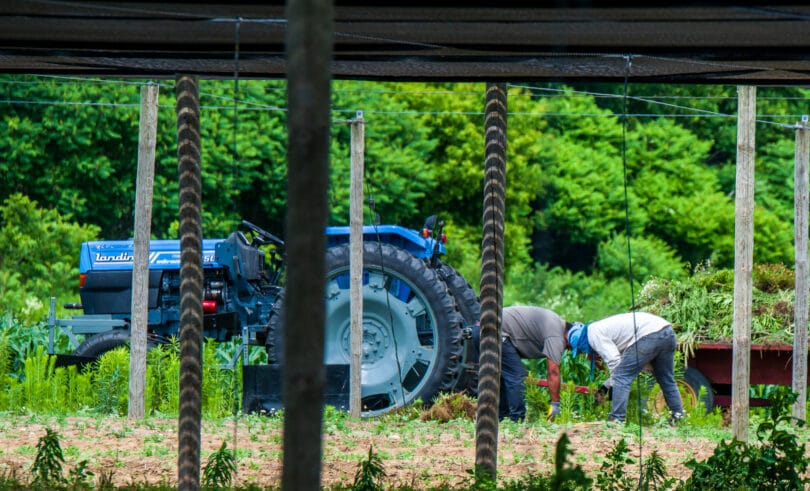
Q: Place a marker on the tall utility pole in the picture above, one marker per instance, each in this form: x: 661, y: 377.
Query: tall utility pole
x: 800, y: 200
x: 356, y: 264
x: 486, y: 429
x: 309, y: 32
x: 743, y: 260
x: 140, y: 262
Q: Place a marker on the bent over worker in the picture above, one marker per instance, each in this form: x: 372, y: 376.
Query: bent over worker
x: 528, y: 332
x: 627, y: 342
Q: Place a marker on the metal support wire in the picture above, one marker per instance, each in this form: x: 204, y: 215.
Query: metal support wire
x: 628, y: 67
x: 245, y: 345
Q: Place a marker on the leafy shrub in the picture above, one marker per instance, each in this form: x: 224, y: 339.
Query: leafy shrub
x: 19, y: 340
x: 163, y: 378
x: 111, y: 382
x: 775, y: 461
x: 567, y: 475
x: 575, y: 296
x: 80, y: 477
x: 221, y: 387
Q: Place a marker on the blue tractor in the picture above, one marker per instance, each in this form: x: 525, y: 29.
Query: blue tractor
x: 416, y: 308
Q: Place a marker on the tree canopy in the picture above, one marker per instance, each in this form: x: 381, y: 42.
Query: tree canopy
x: 587, y: 169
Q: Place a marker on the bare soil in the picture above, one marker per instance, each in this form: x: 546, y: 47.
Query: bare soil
x: 415, y: 453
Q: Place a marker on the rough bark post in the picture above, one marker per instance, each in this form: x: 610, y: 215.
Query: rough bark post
x: 486, y: 429
x: 800, y: 200
x: 309, y: 60
x: 743, y: 261
x: 356, y: 263
x: 140, y: 261
x: 191, y: 282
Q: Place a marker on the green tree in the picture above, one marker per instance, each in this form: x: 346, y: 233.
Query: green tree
x: 681, y: 197
x: 65, y: 144
x: 40, y: 256
x: 399, y: 175
x: 650, y: 256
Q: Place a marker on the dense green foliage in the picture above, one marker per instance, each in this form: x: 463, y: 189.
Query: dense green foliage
x: 581, y: 177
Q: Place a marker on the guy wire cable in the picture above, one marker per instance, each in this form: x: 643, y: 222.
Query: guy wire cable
x: 387, y: 290
x: 245, y: 352
x: 629, y: 64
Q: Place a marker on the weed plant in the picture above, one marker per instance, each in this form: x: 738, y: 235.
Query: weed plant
x: 370, y: 473
x: 47, y: 468
x: 220, y: 469
x: 103, y: 386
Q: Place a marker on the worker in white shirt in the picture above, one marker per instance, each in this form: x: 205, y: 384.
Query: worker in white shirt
x: 627, y: 342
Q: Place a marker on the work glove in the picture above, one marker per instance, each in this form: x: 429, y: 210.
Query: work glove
x: 602, y: 395
x: 553, y: 411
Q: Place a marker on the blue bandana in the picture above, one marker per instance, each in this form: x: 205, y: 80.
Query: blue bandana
x: 578, y: 338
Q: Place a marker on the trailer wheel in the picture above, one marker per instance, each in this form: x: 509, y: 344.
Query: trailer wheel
x: 690, y: 387
x: 412, y: 342
x: 98, y: 344
x: 698, y: 382
x: 469, y: 307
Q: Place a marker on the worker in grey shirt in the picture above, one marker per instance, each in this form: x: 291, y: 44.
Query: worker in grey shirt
x: 528, y: 332
x: 627, y: 342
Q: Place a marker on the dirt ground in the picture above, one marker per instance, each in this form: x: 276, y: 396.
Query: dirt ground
x: 420, y: 454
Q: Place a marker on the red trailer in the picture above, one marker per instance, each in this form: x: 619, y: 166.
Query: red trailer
x: 709, y: 367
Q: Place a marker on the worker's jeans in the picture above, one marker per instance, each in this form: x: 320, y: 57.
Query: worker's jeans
x: 657, y: 349
x: 512, y: 403
x: 513, y: 388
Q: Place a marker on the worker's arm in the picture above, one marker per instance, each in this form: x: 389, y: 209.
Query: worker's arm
x: 553, y: 380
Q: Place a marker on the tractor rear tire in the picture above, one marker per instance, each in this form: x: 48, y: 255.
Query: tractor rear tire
x: 412, y: 340
x: 469, y: 307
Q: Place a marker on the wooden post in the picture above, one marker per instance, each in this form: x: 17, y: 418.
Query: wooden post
x: 743, y: 261
x: 486, y: 428
x: 309, y: 33
x: 800, y: 200
x: 140, y: 262
x: 356, y: 264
